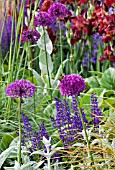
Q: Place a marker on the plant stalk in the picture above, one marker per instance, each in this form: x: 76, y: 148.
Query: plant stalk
x: 61, y: 50
x: 87, y: 140
x: 20, y: 134
x: 49, y: 82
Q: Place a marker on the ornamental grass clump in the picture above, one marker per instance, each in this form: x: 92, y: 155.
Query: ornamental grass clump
x: 19, y: 89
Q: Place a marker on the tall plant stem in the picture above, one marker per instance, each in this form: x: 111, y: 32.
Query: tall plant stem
x: 61, y: 51
x: 49, y: 82
x: 87, y: 140
x: 20, y: 134
x: 48, y: 159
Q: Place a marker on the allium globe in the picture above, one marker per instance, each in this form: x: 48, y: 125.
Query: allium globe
x: 72, y: 84
x: 58, y: 10
x: 20, y: 88
x: 30, y: 35
x: 43, y: 19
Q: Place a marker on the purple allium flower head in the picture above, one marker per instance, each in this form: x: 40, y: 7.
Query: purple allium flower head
x: 58, y: 10
x: 30, y: 35
x: 20, y: 88
x: 72, y: 84
x: 43, y: 19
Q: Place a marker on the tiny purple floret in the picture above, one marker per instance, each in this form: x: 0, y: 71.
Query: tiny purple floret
x: 20, y: 88
x: 72, y: 84
x: 30, y: 35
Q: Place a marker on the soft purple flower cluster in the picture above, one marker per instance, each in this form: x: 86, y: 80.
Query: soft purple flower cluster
x: 43, y: 19
x: 96, y: 41
x: 58, y: 10
x: 77, y: 123
x: 27, y: 129
x: 31, y: 136
x: 72, y: 84
x: 30, y: 35
x: 20, y: 88
x: 63, y: 122
x: 6, y: 34
x: 68, y: 121
x: 96, y: 112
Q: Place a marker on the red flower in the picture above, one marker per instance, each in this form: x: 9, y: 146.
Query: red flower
x: 67, y: 1
x: 82, y: 2
x: 77, y: 35
x: 107, y: 38
x: 51, y: 35
x: 108, y: 55
x: 46, y: 4
x: 109, y: 2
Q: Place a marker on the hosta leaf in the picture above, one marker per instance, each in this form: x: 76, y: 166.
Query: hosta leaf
x: 108, y: 79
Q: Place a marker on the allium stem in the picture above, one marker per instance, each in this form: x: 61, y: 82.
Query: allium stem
x: 87, y: 140
x: 20, y: 134
x: 61, y: 51
x: 49, y: 82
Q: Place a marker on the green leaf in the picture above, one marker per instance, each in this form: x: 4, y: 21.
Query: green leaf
x: 6, y: 140
x: 108, y: 79
x: 93, y: 82
x: 59, y: 71
x: 5, y: 154
x: 43, y: 64
x: 40, y: 42
x: 38, y: 78
x: 38, y: 153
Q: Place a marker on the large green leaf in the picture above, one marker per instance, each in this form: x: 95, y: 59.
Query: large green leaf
x: 43, y: 64
x: 93, y: 81
x: 6, y: 140
x: 38, y: 78
x: 5, y: 154
x: 108, y: 79
x: 41, y: 42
